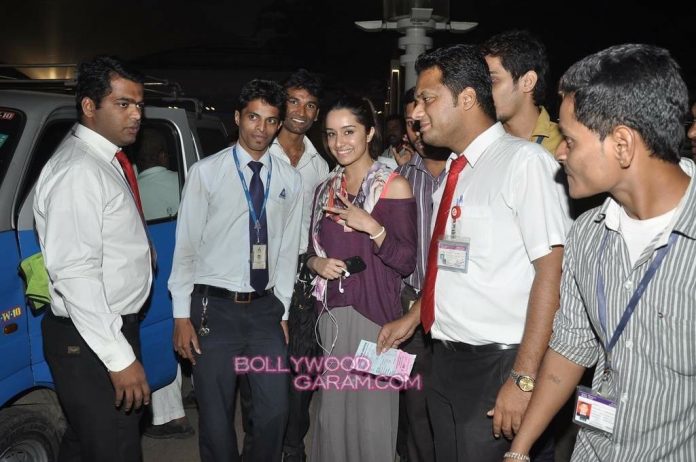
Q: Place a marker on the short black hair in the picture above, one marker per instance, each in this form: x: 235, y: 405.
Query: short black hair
x: 94, y: 78
x: 268, y: 91
x: 408, y: 98
x: 462, y: 66
x: 304, y: 80
x: 636, y: 85
x: 520, y: 52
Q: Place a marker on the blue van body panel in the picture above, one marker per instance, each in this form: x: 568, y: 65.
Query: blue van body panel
x: 156, y: 329
x: 15, y: 369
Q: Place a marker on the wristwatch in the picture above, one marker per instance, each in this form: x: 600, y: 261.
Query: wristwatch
x: 523, y: 382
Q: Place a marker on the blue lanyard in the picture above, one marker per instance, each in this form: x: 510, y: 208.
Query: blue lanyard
x: 252, y: 211
x: 635, y: 298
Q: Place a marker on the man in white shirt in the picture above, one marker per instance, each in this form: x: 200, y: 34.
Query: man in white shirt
x: 235, y: 258
x: 501, y: 224
x: 96, y: 251
x: 292, y: 146
x: 159, y: 186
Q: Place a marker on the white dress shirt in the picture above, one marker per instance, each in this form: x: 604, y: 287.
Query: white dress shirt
x: 94, y: 243
x: 513, y: 212
x: 313, y: 169
x: 212, y: 232
x: 159, y: 192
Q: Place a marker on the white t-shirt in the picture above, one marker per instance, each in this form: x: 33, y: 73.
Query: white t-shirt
x: 638, y: 234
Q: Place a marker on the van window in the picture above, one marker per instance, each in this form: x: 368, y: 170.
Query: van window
x: 51, y: 136
x: 11, y: 126
x: 156, y: 154
x: 212, y: 140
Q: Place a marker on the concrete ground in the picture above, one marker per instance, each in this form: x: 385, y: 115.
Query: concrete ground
x: 186, y: 450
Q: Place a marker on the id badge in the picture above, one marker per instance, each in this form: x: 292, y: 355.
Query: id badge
x: 453, y: 254
x: 594, y: 411
x: 258, y: 256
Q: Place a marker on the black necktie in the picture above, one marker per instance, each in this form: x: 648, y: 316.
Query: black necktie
x: 259, y: 277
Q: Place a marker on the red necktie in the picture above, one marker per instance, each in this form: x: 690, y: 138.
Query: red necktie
x: 130, y: 176
x: 428, y: 295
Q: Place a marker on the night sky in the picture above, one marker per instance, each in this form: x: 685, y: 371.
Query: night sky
x: 213, y: 46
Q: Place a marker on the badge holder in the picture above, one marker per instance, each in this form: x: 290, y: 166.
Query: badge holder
x: 453, y: 252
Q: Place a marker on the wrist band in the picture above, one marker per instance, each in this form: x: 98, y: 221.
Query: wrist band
x: 516, y: 456
x: 378, y: 234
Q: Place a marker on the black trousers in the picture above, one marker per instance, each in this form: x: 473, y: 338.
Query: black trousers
x: 96, y: 431
x: 244, y: 338
x: 414, y: 441
x: 463, y: 388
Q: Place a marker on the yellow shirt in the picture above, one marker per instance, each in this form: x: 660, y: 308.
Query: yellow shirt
x: 547, y: 131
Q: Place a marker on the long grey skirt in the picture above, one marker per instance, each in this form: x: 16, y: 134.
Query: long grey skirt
x: 352, y: 425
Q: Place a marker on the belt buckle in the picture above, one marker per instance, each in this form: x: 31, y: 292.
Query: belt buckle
x: 243, y: 301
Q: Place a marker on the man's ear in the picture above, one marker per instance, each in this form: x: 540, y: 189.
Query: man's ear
x: 467, y: 98
x: 88, y: 106
x: 528, y: 81
x: 624, y: 142
x: 236, y: 117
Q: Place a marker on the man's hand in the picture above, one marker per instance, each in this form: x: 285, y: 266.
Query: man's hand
x: 184, y: 338
x: 403, y: 156
x: 394, y: 333
x: 284, y: 325
x: 510, y: 406
x: 131, y: 386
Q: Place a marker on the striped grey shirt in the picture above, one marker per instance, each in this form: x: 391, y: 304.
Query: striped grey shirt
x: 423, y: 184
x: 654, y: 360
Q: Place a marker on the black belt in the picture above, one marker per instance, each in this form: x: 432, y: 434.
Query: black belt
x: 127, y: 318
x: 237, y: 297
x: 488, y: 348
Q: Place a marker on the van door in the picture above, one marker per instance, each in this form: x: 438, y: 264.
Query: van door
x: 15, y: 372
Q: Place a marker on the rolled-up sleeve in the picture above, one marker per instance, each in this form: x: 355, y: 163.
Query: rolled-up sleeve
x: 573, y: 336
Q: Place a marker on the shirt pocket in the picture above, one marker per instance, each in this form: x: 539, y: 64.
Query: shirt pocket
x: 476, y: 224
x: 277, y: 212
x: 678, y: 342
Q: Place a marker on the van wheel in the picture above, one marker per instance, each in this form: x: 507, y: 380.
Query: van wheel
x: 27, y: 436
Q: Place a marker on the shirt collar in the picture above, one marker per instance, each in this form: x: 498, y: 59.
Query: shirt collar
x: 151, y: 171
x: 543, y: 124
x: 684, y: 221
x: 244, y: 157
x: 103, y: 148
x: 478, y: 146
x: 309, y: 150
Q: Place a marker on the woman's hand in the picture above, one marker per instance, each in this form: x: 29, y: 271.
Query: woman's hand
x: 355, y: 217
x: 328, y: 268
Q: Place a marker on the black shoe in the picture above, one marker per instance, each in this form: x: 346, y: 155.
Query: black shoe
x: 176, y: 429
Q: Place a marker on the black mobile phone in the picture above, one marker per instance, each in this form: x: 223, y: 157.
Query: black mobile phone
x: 355, y: 264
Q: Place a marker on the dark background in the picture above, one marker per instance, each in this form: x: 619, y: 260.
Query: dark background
x: 211, y: 47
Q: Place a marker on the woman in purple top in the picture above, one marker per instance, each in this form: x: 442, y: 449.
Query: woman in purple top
x: 363, y: 209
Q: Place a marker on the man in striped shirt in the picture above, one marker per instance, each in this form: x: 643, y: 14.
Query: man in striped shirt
x: 628, y: 298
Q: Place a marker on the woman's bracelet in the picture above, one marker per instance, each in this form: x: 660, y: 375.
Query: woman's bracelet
x: 378, y: 234
x: 516, y: 456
